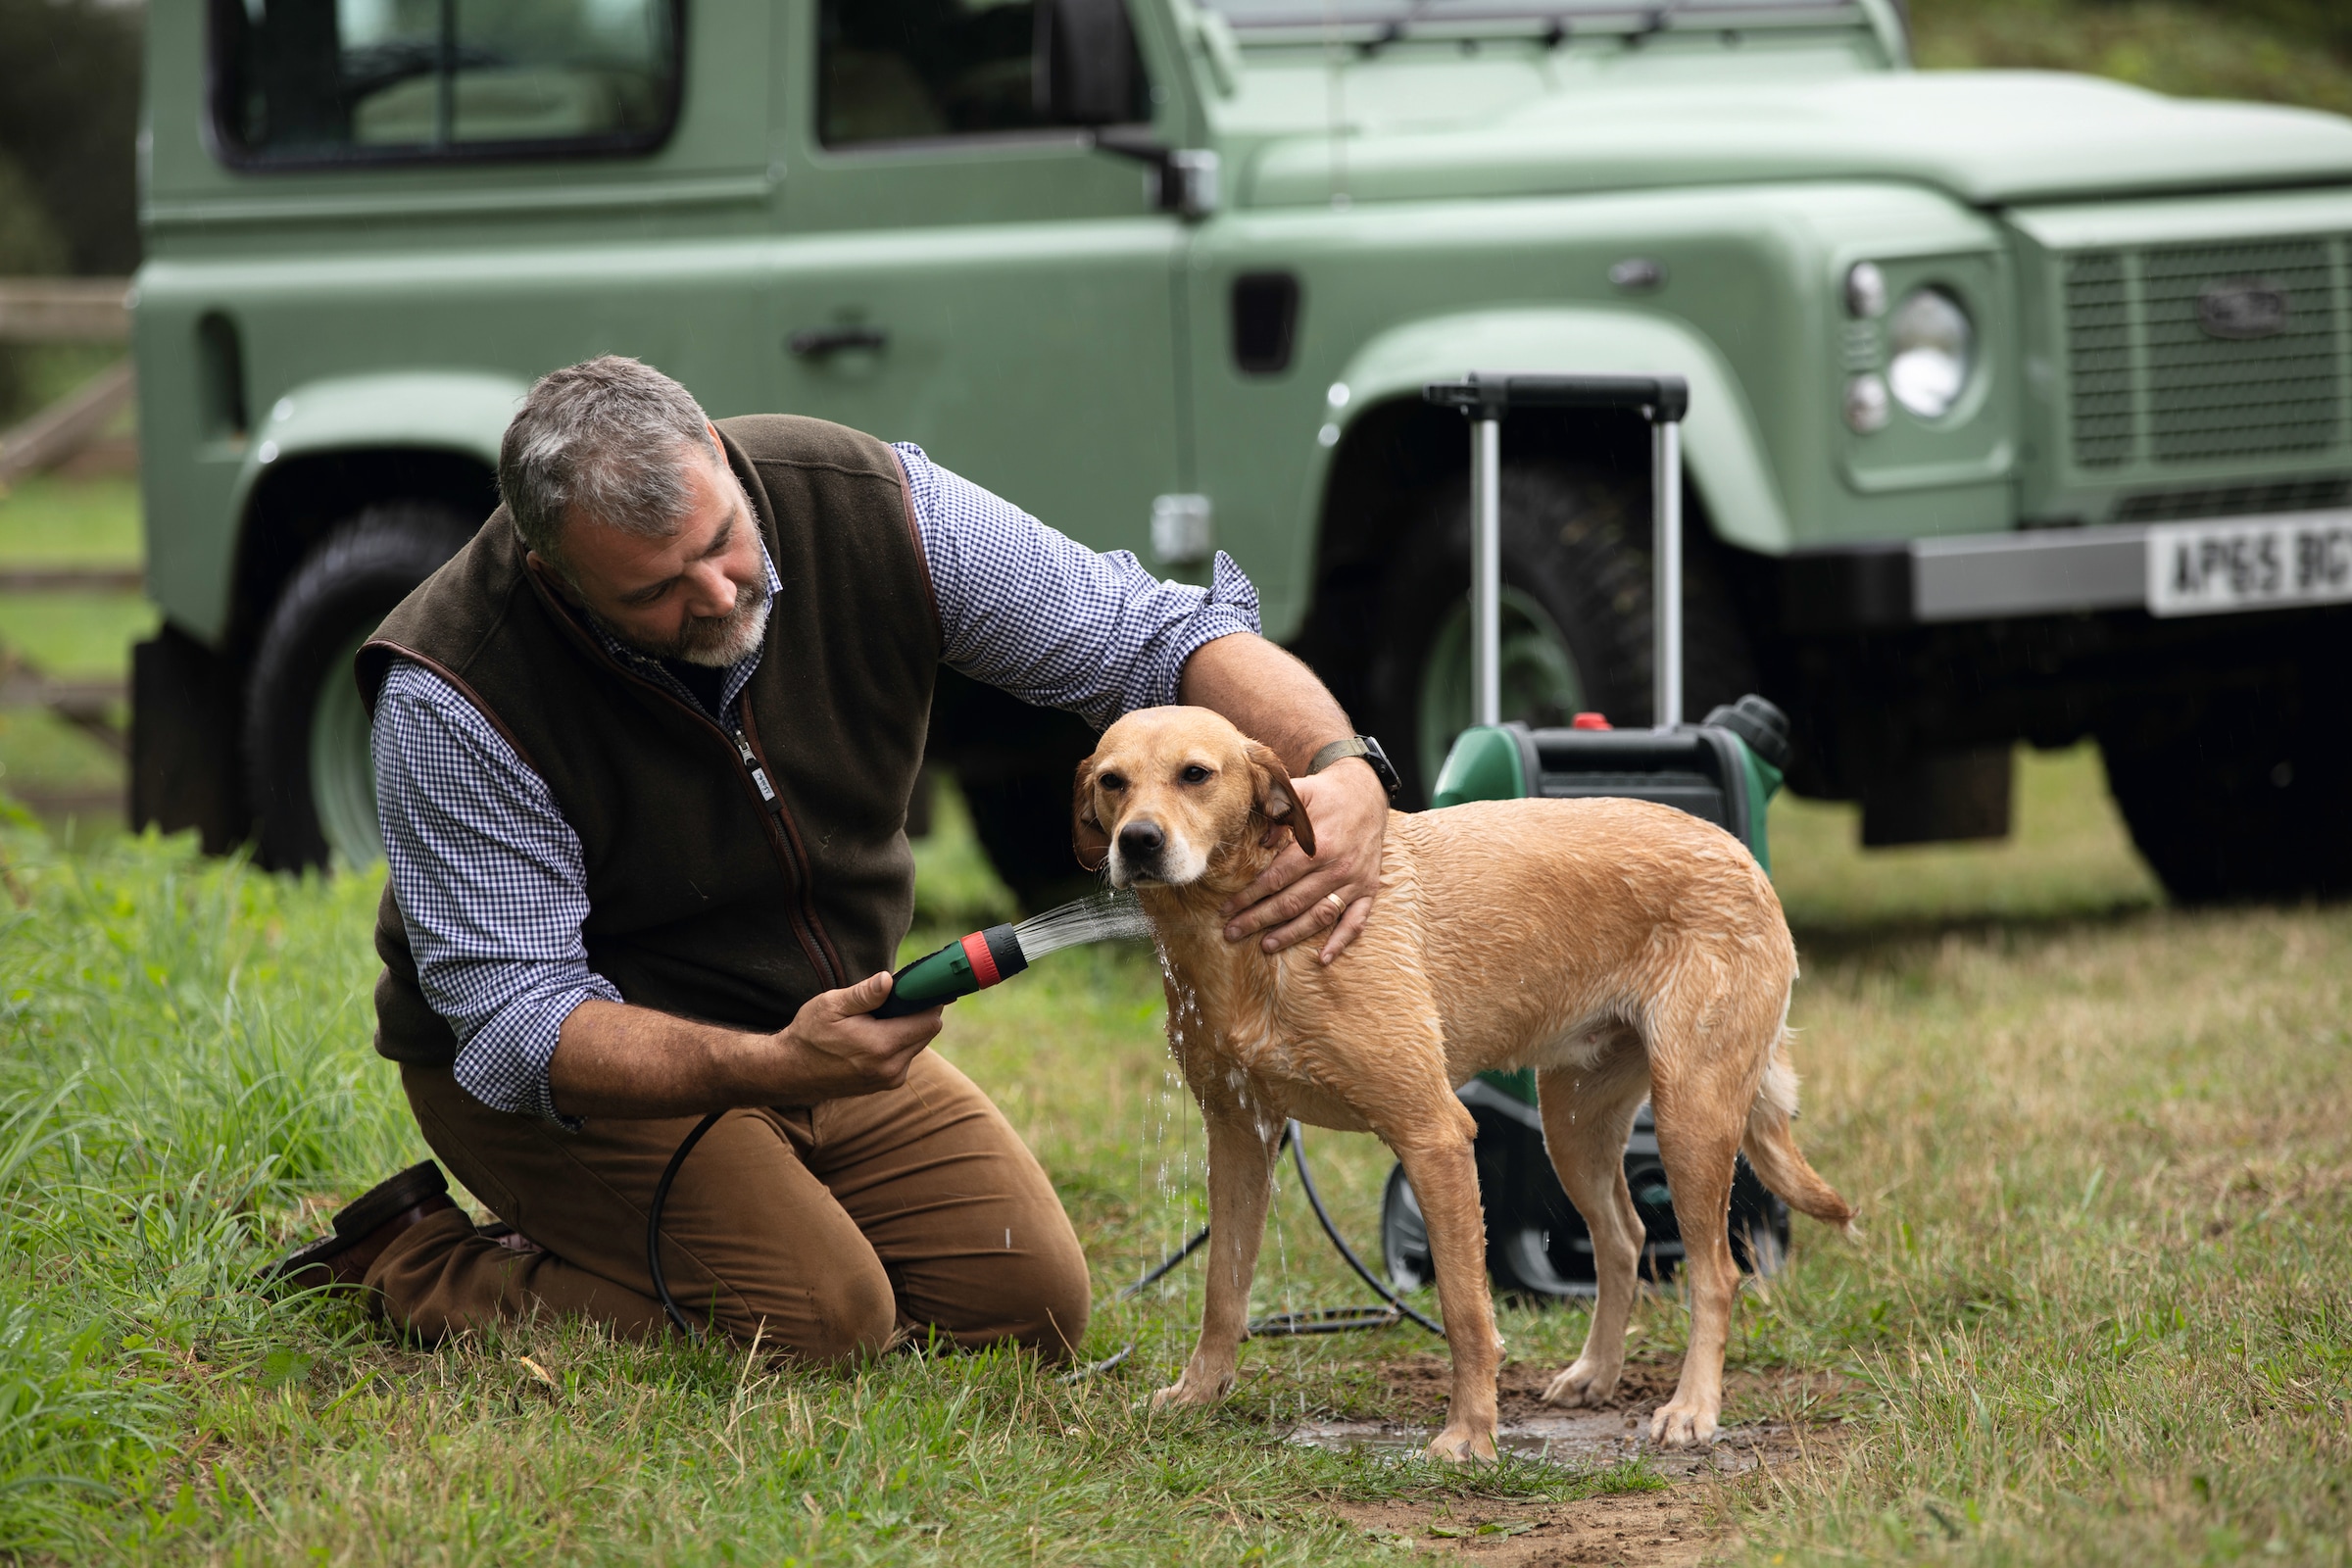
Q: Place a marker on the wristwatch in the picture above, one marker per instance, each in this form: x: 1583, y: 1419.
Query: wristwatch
x: 1365, y: 747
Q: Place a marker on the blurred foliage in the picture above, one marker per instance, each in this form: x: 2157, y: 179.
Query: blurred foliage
x: 69, y: 122
x: 29, y: 243
x: 69, y: 133
x: 2278, y: 51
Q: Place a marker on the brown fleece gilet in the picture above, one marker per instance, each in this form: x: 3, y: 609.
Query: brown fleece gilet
x: 705, y: 900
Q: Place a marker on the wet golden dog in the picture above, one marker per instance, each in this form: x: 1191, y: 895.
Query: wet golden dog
x: 1620, y: 949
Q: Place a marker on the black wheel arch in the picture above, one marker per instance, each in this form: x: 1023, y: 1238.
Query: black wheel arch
x: 303, y: 498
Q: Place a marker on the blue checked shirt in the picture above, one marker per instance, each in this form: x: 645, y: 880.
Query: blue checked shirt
x: 489, y: 877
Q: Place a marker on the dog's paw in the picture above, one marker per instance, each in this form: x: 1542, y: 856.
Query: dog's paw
x: 1191, y: 1389
x: 1462, y: 1445
x: 1680, y: 1426
x: 1586, y: 1383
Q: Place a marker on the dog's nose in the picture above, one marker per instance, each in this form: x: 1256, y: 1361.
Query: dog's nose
x: 1140, y: 841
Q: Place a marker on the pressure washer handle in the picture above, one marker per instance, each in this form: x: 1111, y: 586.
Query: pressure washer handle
x: 973, y: 964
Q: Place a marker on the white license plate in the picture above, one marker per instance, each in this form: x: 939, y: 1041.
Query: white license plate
x: 2205, y: 568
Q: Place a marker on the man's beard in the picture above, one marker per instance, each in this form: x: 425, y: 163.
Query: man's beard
x: 715, y: 642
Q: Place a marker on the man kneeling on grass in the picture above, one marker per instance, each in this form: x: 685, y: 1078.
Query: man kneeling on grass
x: 643, y: 756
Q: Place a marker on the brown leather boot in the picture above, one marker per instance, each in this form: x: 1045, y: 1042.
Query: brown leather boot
x: 363, y: 1230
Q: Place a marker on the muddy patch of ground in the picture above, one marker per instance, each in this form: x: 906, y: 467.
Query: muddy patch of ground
x: 1770, y: 1417
x: 1642, y: 1530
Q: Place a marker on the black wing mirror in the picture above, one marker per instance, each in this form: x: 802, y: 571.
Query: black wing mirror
x: 1085, y: 71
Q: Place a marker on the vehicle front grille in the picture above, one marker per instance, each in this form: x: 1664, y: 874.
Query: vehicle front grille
x: 2200, y: 356
x: 2098, y: 345
x: 2243, y: 500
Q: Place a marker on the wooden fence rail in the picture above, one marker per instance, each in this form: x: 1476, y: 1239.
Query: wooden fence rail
x: 64, y: 310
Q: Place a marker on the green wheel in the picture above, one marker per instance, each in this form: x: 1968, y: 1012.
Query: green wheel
x: 342, y: 768
x: 1541, y: 683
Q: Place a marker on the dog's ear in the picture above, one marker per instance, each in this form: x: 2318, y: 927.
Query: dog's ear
x: 1087, y: 841
x: 1276, y: 800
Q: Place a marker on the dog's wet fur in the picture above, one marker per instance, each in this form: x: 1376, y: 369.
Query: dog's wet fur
x: 1622, y: 950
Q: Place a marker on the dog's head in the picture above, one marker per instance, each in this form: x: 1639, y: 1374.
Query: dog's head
x: 1173, y: 793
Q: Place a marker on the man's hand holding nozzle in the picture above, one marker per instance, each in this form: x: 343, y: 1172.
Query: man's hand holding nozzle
x: 835, y: 1049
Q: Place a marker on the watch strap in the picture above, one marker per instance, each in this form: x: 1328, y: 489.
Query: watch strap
x: 1338, y: 751
x: 1365, y: 747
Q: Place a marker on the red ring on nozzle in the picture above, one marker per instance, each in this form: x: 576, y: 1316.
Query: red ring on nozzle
x: 983, y: 961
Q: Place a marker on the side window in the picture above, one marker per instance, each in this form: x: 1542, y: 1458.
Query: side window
x: 920, y: 70
x: 306, y: 82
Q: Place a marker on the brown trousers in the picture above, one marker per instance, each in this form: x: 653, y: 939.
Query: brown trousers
x: 828, y: 1231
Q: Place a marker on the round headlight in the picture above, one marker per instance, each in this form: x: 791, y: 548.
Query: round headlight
x: 1931, y: 343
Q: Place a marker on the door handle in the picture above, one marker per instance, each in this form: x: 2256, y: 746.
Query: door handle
x: 820, y: 342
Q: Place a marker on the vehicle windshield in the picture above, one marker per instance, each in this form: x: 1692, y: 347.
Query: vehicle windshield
x: 1413, y: 15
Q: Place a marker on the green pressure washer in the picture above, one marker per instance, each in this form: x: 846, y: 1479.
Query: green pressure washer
x: 1725, y: 769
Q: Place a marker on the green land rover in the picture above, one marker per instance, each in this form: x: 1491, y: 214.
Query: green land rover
x: 2021, y: 404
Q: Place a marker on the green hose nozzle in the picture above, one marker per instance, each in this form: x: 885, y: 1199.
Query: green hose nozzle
x: 972, y: 963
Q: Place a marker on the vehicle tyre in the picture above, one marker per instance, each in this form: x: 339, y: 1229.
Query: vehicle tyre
x: 308, y: 777
x: 1576, y: 616
x: 2240, y: 795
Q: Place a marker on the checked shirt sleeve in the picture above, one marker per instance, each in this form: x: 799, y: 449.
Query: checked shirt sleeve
x: 491, y: 886
x: 1028, y: 609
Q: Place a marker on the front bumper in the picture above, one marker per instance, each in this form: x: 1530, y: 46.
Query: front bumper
x: 2057, y: 571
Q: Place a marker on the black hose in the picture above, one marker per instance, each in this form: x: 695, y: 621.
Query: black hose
x: 1128, y: 1293
x: 653, y: 1222
x: 1307, y: 1181
x: 1329, y: 1320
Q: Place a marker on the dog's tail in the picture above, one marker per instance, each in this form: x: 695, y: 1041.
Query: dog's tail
x: 1771, y: 1147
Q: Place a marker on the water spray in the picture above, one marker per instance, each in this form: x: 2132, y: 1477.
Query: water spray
x: 983, y: 959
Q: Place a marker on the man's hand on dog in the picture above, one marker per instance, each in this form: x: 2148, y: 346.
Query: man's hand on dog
x: 835, y: 1049
x: 1292, y: 899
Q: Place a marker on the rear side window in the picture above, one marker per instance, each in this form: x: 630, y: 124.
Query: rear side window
x: 310, y: 81
x: 921, y: 70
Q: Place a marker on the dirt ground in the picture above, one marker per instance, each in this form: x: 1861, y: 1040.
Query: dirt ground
x: 1772, y: 1418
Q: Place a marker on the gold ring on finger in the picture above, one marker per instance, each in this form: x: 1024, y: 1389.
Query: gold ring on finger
x: 1339, y: 906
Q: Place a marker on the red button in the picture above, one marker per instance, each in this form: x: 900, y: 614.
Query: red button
x: 1588, y: 722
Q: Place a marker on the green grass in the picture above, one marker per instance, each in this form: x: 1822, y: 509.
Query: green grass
x: 2103, y: 1311
x: 208, y: 1026
x: 75, y: 779
x: 80, y: 523
x: 2068, y: 854
x: 41, y: 751
x: 2101, y: 1307
x: 76, y: 633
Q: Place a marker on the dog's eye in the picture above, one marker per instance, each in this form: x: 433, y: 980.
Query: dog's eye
x: 1111, y: 782
x: 1195, y: 774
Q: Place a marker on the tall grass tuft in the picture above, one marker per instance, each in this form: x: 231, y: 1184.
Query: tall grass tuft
x: 181, y: 1054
